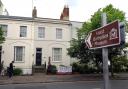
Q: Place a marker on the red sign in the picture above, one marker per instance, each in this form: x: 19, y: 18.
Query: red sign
x: 106, y: 36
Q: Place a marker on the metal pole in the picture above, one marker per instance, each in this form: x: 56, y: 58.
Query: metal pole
x: 105, y: 58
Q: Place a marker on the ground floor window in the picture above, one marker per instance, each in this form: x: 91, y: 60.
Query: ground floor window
x: 56, y: 54
x: 19, y: 53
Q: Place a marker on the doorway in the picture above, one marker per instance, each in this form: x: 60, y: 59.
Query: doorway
x: 38, y: 56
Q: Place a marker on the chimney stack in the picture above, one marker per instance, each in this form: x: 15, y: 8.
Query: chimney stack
x: 65, y: 13
x: 34, y: 12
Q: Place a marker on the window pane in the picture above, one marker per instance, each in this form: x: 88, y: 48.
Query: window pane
x: 4, y: 28
x: 58, y: 33
x: 41, y: 32
x: 57, y: 54
x: 23, y: 31
x: 38, y: 50
x: 19, y: 53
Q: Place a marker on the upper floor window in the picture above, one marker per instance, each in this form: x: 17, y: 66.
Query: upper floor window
x: 4, y: 29
x: 23, y: 31
x: 19, y: 53
x: 41, y: 32
x: 58, y: 33
x: 56, y: 54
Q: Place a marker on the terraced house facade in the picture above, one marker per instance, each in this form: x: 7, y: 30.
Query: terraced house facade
x: 33, y: 40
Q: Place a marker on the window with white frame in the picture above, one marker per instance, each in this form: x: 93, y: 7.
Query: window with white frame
x: 4, y: 29
x: 58, y: 33
x: 19, y: 53
x: 41, y: 32
x: 56, y: 54
x: 23, y: 31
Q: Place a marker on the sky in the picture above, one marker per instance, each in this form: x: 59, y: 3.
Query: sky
x: 80, y: 10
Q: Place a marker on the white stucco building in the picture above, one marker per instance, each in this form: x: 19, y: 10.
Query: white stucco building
x: 33, y: 40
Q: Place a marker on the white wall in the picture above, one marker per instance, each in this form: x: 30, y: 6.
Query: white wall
x: 13, y: 39
x: 31, y: 42
x: 50, y: 42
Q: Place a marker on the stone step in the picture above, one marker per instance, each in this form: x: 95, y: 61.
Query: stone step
x: 39, y: 69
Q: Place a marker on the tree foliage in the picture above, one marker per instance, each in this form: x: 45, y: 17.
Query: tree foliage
x: 2, y: 38
x: 95, y: 21
x: 80, y: 51
x: 120, y: 63
x: 78, y: 47
x: 1, y: 41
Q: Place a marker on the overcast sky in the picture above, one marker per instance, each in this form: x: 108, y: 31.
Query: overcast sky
x: 80, y: 10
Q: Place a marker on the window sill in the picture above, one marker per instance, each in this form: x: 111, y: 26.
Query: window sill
x: 22, y: 37
x: 56, y: 61
x: 59, y: 39
x: 40, y: 38
x: 18, y: 61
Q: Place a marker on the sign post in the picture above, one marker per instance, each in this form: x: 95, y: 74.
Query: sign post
x: 107, y: 35
x: 105, y: 58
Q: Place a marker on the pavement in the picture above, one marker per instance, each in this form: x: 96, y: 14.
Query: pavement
x: 43, y: 78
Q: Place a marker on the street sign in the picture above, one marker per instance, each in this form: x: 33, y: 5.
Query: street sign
x: 108, y: 35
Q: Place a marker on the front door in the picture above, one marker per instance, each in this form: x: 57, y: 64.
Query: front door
x: 38, y: 56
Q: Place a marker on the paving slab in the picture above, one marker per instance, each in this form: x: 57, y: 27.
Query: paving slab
x: 43, y: 78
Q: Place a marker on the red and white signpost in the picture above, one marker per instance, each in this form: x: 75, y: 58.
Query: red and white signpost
x: 108, y: 35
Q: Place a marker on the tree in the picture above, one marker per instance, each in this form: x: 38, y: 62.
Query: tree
x: 2, y: 38
x: 1, y: 41
x: 80, y: 51
x: 78, y: 47
x: 95, y: 21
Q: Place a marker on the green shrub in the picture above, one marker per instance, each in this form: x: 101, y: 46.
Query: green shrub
x: 17, y: 71
x: 1, y: 66
x: 51, y: 69
x: 120, y: 64
x: 75, y: 67
x: 83, y: 68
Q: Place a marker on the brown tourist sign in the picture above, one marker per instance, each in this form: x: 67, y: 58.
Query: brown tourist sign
x: 105, y: 36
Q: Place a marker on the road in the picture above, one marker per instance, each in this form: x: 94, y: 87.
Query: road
x: 115, y: 84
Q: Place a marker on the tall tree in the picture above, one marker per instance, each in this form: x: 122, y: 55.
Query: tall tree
x: 95, y: 20
x: 94, y: 23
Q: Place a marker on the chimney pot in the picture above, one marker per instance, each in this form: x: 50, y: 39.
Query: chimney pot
x: 65, y: 13
x: 34, y: 12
